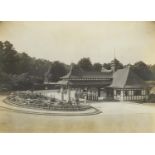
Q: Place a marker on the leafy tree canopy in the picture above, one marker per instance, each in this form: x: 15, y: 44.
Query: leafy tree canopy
x: 107, y: 66
x: 56, y: 71
x: 85, y: 64
x: 143, y: 70
x: 97, y: 67
x: 20, y: 71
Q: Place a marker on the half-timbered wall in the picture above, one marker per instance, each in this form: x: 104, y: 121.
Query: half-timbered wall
x: 130, y: 94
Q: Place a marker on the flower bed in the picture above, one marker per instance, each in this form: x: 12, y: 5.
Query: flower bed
x: 38, y: 101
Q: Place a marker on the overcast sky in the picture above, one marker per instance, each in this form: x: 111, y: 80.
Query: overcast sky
x: 70, y: 41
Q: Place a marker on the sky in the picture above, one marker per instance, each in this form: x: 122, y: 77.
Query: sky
x: 68, y: 42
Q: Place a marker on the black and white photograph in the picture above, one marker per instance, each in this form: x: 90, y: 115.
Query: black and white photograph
x: 77, y: 76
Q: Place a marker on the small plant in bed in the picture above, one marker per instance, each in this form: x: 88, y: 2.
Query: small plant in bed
x: 38, y: 101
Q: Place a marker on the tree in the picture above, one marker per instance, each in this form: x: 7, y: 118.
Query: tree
x: 1, y: 56
x: 117, y: 63
x: 143, y: 70
x: 24, y: 63
x: 85, y: 64
x: 152, y: 68
x: 56, y: 71
x: 9, y: 58
x: 107, y: 66
x: 40, y: 67
x: 21, y: 82
x: 97, y: 67
x: 8, y: 46
x: 1, y: 45
x: 15, y: 68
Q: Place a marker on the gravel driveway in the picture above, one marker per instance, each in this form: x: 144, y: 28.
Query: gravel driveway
x: 115, y: 117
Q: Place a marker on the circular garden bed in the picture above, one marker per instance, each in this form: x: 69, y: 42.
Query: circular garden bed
x: 38, y: 101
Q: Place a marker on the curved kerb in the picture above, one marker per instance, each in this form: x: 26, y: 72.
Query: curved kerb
x: 18, y: 109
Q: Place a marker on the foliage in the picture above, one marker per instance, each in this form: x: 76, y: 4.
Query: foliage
x: 118, y: 64
x: 19, y: 71
x: 107, y: 66
x: 85, y: 64
x: 143, y: 70
x: 97, y: 67
x: 56, y: 71
x: 152, y: 68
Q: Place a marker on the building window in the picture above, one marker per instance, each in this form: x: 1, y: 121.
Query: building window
x: 118, y: 92
x: 126, y: 93
x: 143, y: 92
x: 137, y: 92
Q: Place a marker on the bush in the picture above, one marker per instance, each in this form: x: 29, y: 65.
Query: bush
x: 152, y: 98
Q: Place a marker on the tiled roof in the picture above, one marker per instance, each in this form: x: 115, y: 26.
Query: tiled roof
x: 77, y: 73
x: 126, y: 78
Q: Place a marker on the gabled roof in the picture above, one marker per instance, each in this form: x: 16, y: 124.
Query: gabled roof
x: 76, y: 73
x: 126, y: 78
